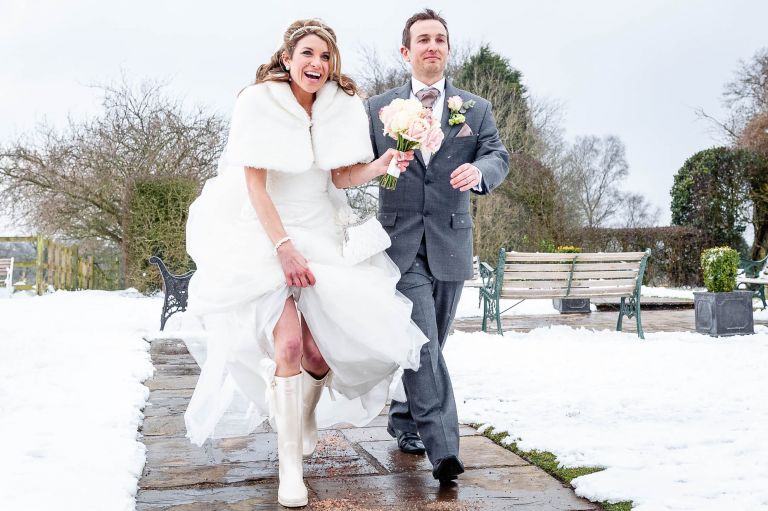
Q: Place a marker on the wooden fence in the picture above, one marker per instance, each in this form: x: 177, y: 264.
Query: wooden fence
x: 58, y: 265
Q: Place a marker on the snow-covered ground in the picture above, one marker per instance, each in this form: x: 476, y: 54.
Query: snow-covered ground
x: 680, y: 420
x: 71, y: 367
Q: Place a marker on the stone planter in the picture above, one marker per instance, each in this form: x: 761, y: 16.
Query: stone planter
x: 719, y: 314
x: 572, y: 305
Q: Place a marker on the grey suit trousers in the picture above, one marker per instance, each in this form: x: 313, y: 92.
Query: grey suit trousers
x: 431, y: 407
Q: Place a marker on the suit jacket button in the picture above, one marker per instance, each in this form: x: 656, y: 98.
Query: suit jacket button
x: 427, y: 181
x: 426, y: 213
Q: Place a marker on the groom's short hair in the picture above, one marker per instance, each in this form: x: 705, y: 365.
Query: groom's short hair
x: 426, y: 14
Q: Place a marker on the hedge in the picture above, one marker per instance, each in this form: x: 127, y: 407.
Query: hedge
x: 675, y: 251
x: 155, y: 225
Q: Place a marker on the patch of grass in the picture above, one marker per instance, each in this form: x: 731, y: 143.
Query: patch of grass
x: 548, y: 462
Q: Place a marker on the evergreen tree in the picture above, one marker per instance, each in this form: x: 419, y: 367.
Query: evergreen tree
x: 713, y: 192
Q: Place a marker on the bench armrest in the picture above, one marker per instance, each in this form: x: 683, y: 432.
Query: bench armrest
x: 487, y: 276
x: 752, y: 269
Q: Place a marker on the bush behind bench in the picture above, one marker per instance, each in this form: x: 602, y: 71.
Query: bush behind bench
x: 675, y: 251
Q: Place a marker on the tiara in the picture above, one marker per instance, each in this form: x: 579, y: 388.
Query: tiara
x: 307, y: 27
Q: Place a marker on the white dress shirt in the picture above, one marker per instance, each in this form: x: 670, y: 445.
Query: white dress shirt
x: 437, y: 112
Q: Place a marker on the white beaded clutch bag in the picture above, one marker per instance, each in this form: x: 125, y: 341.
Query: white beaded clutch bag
x: 364, y: 239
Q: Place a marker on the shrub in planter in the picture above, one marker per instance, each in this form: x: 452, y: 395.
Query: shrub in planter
x: 721, y: 310
x: 720, y: 266
x: 571, y: 305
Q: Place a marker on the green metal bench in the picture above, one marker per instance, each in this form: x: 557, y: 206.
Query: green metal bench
x: 523, y: 275
x: 753, y: 276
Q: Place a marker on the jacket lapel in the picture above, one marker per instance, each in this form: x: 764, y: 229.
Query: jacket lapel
x: 450, y: 91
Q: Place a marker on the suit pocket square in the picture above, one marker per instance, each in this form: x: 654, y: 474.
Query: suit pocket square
x: 465, y: 131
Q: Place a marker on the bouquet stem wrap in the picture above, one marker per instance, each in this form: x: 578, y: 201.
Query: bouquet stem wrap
x: 389, y: 180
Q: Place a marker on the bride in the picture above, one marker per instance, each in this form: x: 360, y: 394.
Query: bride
x: 285, y: 314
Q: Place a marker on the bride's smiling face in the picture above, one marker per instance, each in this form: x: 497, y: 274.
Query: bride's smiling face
x: 310, y: 63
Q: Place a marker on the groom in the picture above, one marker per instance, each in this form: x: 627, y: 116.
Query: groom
x: 428, y: 218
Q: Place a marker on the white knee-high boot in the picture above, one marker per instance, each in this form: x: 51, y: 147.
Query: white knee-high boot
x: 312, y: 390
x: 287, y: 399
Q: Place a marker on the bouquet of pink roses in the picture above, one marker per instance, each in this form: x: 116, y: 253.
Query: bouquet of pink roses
x: 414, y: 127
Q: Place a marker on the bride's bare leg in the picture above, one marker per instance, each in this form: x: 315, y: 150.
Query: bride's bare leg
x: 288, y: 345
x: 312, y: 360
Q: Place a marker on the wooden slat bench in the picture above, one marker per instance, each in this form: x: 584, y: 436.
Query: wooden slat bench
x: 523, y: 275
x: 6, y: 277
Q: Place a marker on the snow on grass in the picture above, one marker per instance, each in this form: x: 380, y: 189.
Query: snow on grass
x: 680, y: 420
x: 71, y: 367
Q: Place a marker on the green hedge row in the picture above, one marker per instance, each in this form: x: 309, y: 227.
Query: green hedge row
x: 155, y: 225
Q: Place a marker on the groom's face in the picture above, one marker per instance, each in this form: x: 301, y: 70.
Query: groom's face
x: 428, y: 52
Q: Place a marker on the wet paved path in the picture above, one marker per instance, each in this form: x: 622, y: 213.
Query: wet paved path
x: 353, y: 469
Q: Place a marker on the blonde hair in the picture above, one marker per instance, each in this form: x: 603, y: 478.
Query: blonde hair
x: 275, y: 71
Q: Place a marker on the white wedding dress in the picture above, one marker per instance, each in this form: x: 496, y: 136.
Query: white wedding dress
x: 360, y: 323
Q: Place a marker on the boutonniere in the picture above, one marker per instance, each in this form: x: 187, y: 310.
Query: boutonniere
x: 458, y: 108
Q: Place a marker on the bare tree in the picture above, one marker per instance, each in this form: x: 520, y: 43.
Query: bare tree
x: 746, y: 96
x: 591, y: 173
x: 74, y: 184
x: 636, y: 211
x: 548, y: 141
x: 376, y: 75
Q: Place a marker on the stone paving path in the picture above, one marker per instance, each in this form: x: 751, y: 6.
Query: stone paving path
x: 356, y: 469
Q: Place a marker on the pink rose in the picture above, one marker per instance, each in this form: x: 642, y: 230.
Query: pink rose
x: 433, y: 139
x: 417, y: 130
x: 386, y: 114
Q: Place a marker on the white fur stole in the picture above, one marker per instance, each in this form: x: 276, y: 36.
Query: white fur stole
x: 270, y: 130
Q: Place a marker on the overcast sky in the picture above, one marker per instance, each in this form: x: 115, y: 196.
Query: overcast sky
x: 636, y: 69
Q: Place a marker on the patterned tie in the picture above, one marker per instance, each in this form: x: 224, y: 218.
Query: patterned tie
x: 427, y: 96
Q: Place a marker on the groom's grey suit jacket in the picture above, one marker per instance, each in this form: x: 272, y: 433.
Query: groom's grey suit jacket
x: 424, y: 205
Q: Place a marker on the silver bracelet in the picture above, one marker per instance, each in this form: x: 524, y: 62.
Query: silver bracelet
x: 280, y: 243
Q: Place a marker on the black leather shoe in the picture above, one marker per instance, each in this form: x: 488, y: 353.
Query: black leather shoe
x: 410, y: 443
x: 447, y: 469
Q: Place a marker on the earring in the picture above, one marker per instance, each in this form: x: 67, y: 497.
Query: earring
x: 287, y: 67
